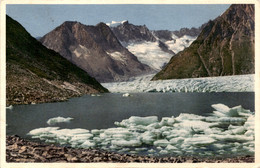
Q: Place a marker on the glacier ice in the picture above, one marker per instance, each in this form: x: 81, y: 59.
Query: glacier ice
x: 149, y: 53
x: 237, y: 83
x: 225, y: 131
x: 59, y: 119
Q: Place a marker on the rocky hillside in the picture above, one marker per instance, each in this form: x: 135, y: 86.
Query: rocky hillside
x: 35, y: 74
x: 224, y: 47
x: 96, y: 50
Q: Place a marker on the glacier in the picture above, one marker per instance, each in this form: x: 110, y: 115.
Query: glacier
x: 151, y: 54
x: 236, y: 83
x: 224, y: 132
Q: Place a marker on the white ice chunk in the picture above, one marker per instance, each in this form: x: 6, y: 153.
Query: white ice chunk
x: 59, y: 119
x: 232, y: 138
x: 161, y: 142
x: 167, y: 121
x: 9, y: 107
x: 199, y: 140
x: 148, y: 137
x: 125, y: 143
x: 170, y: 147
x: 221, y: 108
x: 113, y: 131
x: 135, y: 120
x: 163, y: 152
x: 40, y: 131
x: 126, y: 95
x: 87, y: 144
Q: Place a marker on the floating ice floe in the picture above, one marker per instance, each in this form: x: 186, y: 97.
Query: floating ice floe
x: 59, y: 119
x: 95, y: 95
x: 237, y: 83
x: 126, y: 95
x: 9, y: 107
x: 225, y: 132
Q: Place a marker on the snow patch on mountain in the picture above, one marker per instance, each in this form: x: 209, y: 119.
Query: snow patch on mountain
x: 116, y: 23
x: 179, y: 44
x: 81, y: 50
x: 118, y: 56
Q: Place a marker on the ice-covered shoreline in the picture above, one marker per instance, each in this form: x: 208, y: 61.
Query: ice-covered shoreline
x: 236, y: 83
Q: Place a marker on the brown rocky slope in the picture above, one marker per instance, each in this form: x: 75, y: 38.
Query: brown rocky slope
x: 224, y: 47
x: 35, y: 74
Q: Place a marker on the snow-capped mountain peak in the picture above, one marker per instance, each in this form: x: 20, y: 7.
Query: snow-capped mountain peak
x: 116, y: 23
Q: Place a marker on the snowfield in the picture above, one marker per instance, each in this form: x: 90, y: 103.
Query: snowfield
x: 237, y: 83
x: 179, y: 44
x: 150, y: 53
x: 224, y: 132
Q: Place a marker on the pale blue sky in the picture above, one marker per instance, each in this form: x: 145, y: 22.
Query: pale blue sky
x: 41, y: 19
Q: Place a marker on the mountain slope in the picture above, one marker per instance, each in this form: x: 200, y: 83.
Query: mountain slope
x: 96, y: 50
x: 37, y: 74
x: 224, y: 47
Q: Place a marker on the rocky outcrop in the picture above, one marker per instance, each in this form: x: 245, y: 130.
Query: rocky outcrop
x: 224, y: 47
x: 96, y: 50
x: 20, y: 150
x: 35, y: 74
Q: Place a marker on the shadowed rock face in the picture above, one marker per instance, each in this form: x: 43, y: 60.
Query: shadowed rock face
x: 224, y: 47
x: 35, y: 74
x: 96, y: 50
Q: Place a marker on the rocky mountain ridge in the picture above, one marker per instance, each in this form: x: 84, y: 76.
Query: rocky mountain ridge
x: 127, y: 33
x: 224, y: 47
x: 96, y: 50
x: 35, y: 74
